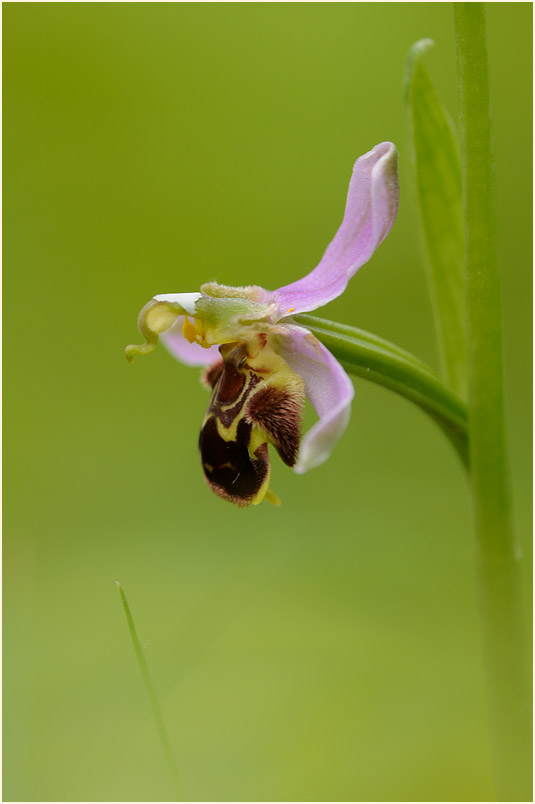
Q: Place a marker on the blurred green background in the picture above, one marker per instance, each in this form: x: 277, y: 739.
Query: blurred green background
x: 326, y: 650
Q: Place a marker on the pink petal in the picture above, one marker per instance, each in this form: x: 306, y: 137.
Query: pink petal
x: 371, y: 208
x: 328, y: 388
x: 189, y: 353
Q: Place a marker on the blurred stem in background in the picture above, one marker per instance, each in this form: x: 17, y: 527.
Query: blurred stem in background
x: 496, y: 553
x: 455, y: 196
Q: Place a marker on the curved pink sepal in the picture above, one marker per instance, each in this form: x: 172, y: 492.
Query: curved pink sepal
x: 371, y: 208
x: 189, y: 353
x: 328, y: 388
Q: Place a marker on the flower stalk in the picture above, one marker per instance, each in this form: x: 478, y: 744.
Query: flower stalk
x: 496, y: 552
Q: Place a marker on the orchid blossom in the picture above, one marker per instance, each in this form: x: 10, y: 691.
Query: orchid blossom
x: 260, y: 364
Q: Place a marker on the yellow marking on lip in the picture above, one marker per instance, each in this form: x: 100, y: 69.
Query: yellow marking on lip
x: 228, y: 433
x: 290, y: 310
x: 263, y: 490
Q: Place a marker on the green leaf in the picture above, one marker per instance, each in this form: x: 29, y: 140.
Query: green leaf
x: 372, y: 358
x: 437, y: 172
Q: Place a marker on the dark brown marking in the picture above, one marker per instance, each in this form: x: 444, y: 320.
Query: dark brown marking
x: 231, y: 384
x: 211, y: 374
x: 278, y: 412
x: 229, y: 468
x: 227, y: 416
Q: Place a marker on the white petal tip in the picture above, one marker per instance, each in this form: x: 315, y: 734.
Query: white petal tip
x: 186, y: 301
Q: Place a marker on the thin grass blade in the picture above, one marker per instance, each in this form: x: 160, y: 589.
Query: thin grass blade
x: 151, y: 692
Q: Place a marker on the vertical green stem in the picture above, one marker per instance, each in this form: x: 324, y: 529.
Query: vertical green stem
x: 151, y: 692
x: 497, y: 556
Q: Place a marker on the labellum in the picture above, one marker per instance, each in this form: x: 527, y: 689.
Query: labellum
x: 256, y: 400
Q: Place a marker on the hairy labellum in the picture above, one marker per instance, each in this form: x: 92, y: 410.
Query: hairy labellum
x: 256, y: 400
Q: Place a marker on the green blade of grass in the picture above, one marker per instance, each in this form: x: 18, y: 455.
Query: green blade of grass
x: 151, y: 692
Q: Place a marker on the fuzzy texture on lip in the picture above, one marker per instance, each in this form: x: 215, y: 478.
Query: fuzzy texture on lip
x: 278, y: 356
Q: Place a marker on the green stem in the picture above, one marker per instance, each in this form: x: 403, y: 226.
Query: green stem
x: 151, y: 692
x: 372, y: 358
x: 497, y: 557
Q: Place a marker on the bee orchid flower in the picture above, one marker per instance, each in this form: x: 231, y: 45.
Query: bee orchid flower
x: 259, y: 364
